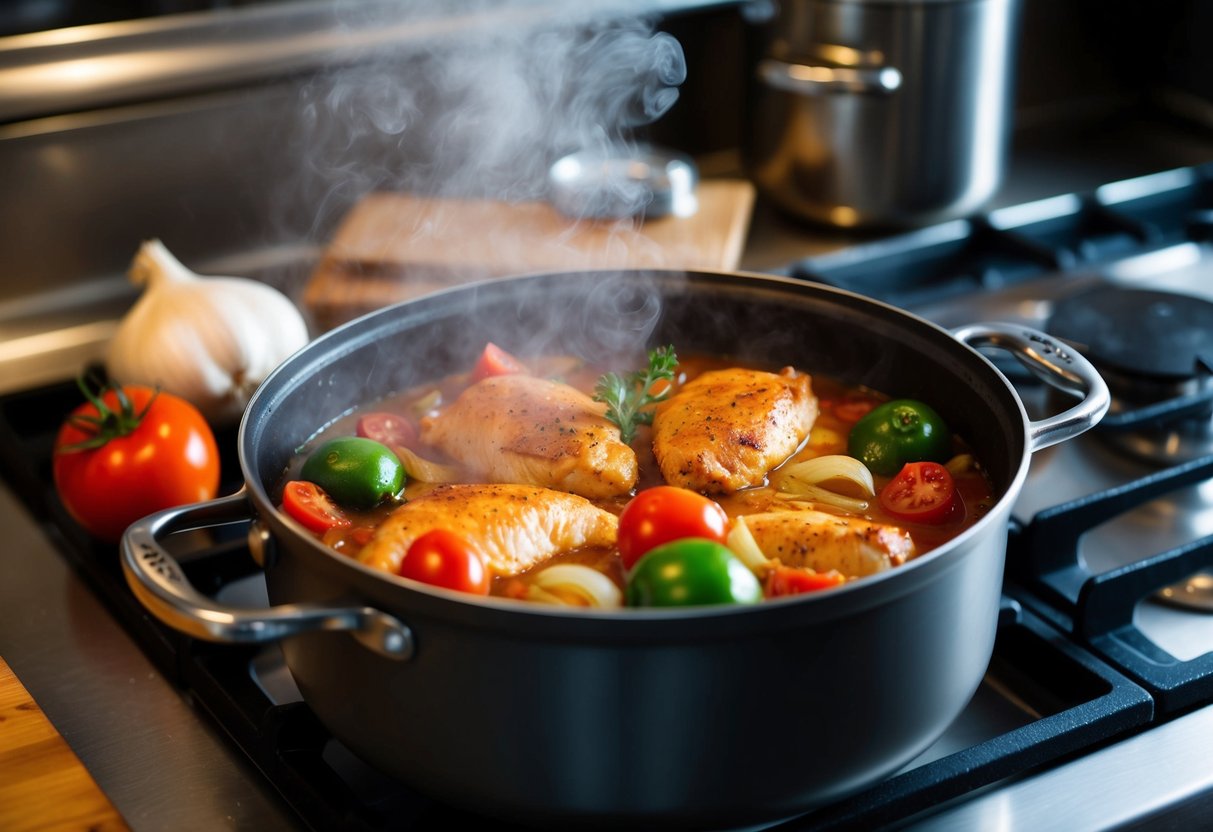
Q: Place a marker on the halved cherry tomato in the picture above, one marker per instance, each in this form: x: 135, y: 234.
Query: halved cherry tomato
x: 792, y: 580
x: 443, y: 558
x: 307, y: 503
x: 923, y: 492
x: 388, y: 429
x: 664, y: 513
x: 495, y: 361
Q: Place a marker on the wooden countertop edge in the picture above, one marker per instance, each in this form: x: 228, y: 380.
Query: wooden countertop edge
x: 43, y: 785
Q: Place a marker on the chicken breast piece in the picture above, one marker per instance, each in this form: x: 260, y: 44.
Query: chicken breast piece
x: 523, y: 429
x: 514, y: 526
x: 823, y: 541
x: 726, y: 429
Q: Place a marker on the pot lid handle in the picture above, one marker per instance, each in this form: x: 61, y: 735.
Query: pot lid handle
x: 162, y: 587
x: 1054, y: 363
x: 820, y: 79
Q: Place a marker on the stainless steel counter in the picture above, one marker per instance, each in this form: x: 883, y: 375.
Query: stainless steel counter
x: 157, y: 759
x: 1157, y: 780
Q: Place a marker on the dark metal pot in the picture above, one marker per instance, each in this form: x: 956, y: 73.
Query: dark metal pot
x: 711, y: 716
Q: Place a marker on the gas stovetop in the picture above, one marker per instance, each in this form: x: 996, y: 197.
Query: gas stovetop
x: 1094, y: 663
x: 1113, y: 529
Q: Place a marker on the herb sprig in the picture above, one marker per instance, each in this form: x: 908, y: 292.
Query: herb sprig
x: 629, y: 398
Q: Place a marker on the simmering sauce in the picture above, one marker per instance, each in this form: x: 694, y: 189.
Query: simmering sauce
x: 839, y: 407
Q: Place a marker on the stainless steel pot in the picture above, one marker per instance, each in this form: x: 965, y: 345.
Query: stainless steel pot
x: 884, y: 112
x: 710, y: 716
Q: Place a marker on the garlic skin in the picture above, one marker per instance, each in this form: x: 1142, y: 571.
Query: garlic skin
x: 209, y: 340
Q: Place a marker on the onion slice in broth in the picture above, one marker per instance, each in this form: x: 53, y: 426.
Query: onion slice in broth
x: 571, y: 584
x: 742, y: 544
x: 804, y: 480
x: 420, y: 468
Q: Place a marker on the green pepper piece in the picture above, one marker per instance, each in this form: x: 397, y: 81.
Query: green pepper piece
x: 897, y: 432
x: 691, y: 572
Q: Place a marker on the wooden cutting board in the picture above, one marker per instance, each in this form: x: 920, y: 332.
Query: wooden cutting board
x: 43, y: 785
x: 395, y: 246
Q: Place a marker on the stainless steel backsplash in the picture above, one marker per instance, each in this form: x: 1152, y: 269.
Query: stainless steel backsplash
x: 189, y: 127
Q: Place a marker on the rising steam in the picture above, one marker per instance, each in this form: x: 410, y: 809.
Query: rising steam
x: 477, y: 99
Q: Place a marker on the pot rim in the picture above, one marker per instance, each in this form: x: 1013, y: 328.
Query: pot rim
x: 868, y: 591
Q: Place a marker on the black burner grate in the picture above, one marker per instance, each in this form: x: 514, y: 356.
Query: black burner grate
x: 1098, y: 608
x: 1010, y: 245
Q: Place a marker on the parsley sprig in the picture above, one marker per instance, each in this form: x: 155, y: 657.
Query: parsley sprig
x: 629, y: 398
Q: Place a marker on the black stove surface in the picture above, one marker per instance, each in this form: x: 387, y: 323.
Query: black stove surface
x: 1072, y: 234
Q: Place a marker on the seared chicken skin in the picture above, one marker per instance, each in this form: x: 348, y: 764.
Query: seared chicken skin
x: 822, y: 541
x: 515, y: 527
x: 523, y: 429
x: 726, y: 429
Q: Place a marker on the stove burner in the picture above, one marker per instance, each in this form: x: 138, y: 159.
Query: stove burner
x: 1155, y: 351
x: 1153, y: 334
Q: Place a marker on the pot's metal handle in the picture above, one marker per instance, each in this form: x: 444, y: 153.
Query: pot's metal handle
x: 1055, y: 364
x: 813, y: 79
x: 158, y: 582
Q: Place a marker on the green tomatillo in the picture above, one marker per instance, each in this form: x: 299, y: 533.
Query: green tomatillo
x: 355, y: 472
x: 897, y: 432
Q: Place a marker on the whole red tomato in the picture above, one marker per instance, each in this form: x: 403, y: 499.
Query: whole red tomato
x: 129, y: 452
x: 443, y: 558
x: 665, y: 513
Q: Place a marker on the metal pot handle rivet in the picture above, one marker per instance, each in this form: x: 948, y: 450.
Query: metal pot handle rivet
x: 1054, y: 363
x: 161, y: 586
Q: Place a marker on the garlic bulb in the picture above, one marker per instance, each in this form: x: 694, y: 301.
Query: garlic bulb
x: 209, y: 340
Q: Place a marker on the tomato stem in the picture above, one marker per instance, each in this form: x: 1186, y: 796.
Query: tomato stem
x: 108, y: 423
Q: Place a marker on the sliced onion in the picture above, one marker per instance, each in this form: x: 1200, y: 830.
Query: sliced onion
x: 420, y: 468
x: 427, y: 403
x: 539, y: 595
x: 821, y: 495
x: 961, y: 464
x: 583, y: 583
x: 742, y: 543
x: 831, y: 467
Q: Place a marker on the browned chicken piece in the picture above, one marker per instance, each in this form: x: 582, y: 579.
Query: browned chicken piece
x: 726, y: 429
x: 823, y: 541
x: 523, y: 429
x: 515, y: 527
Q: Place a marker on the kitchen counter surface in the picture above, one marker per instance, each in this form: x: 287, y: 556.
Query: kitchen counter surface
x: 44, y: 785
x: 159, y: 763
